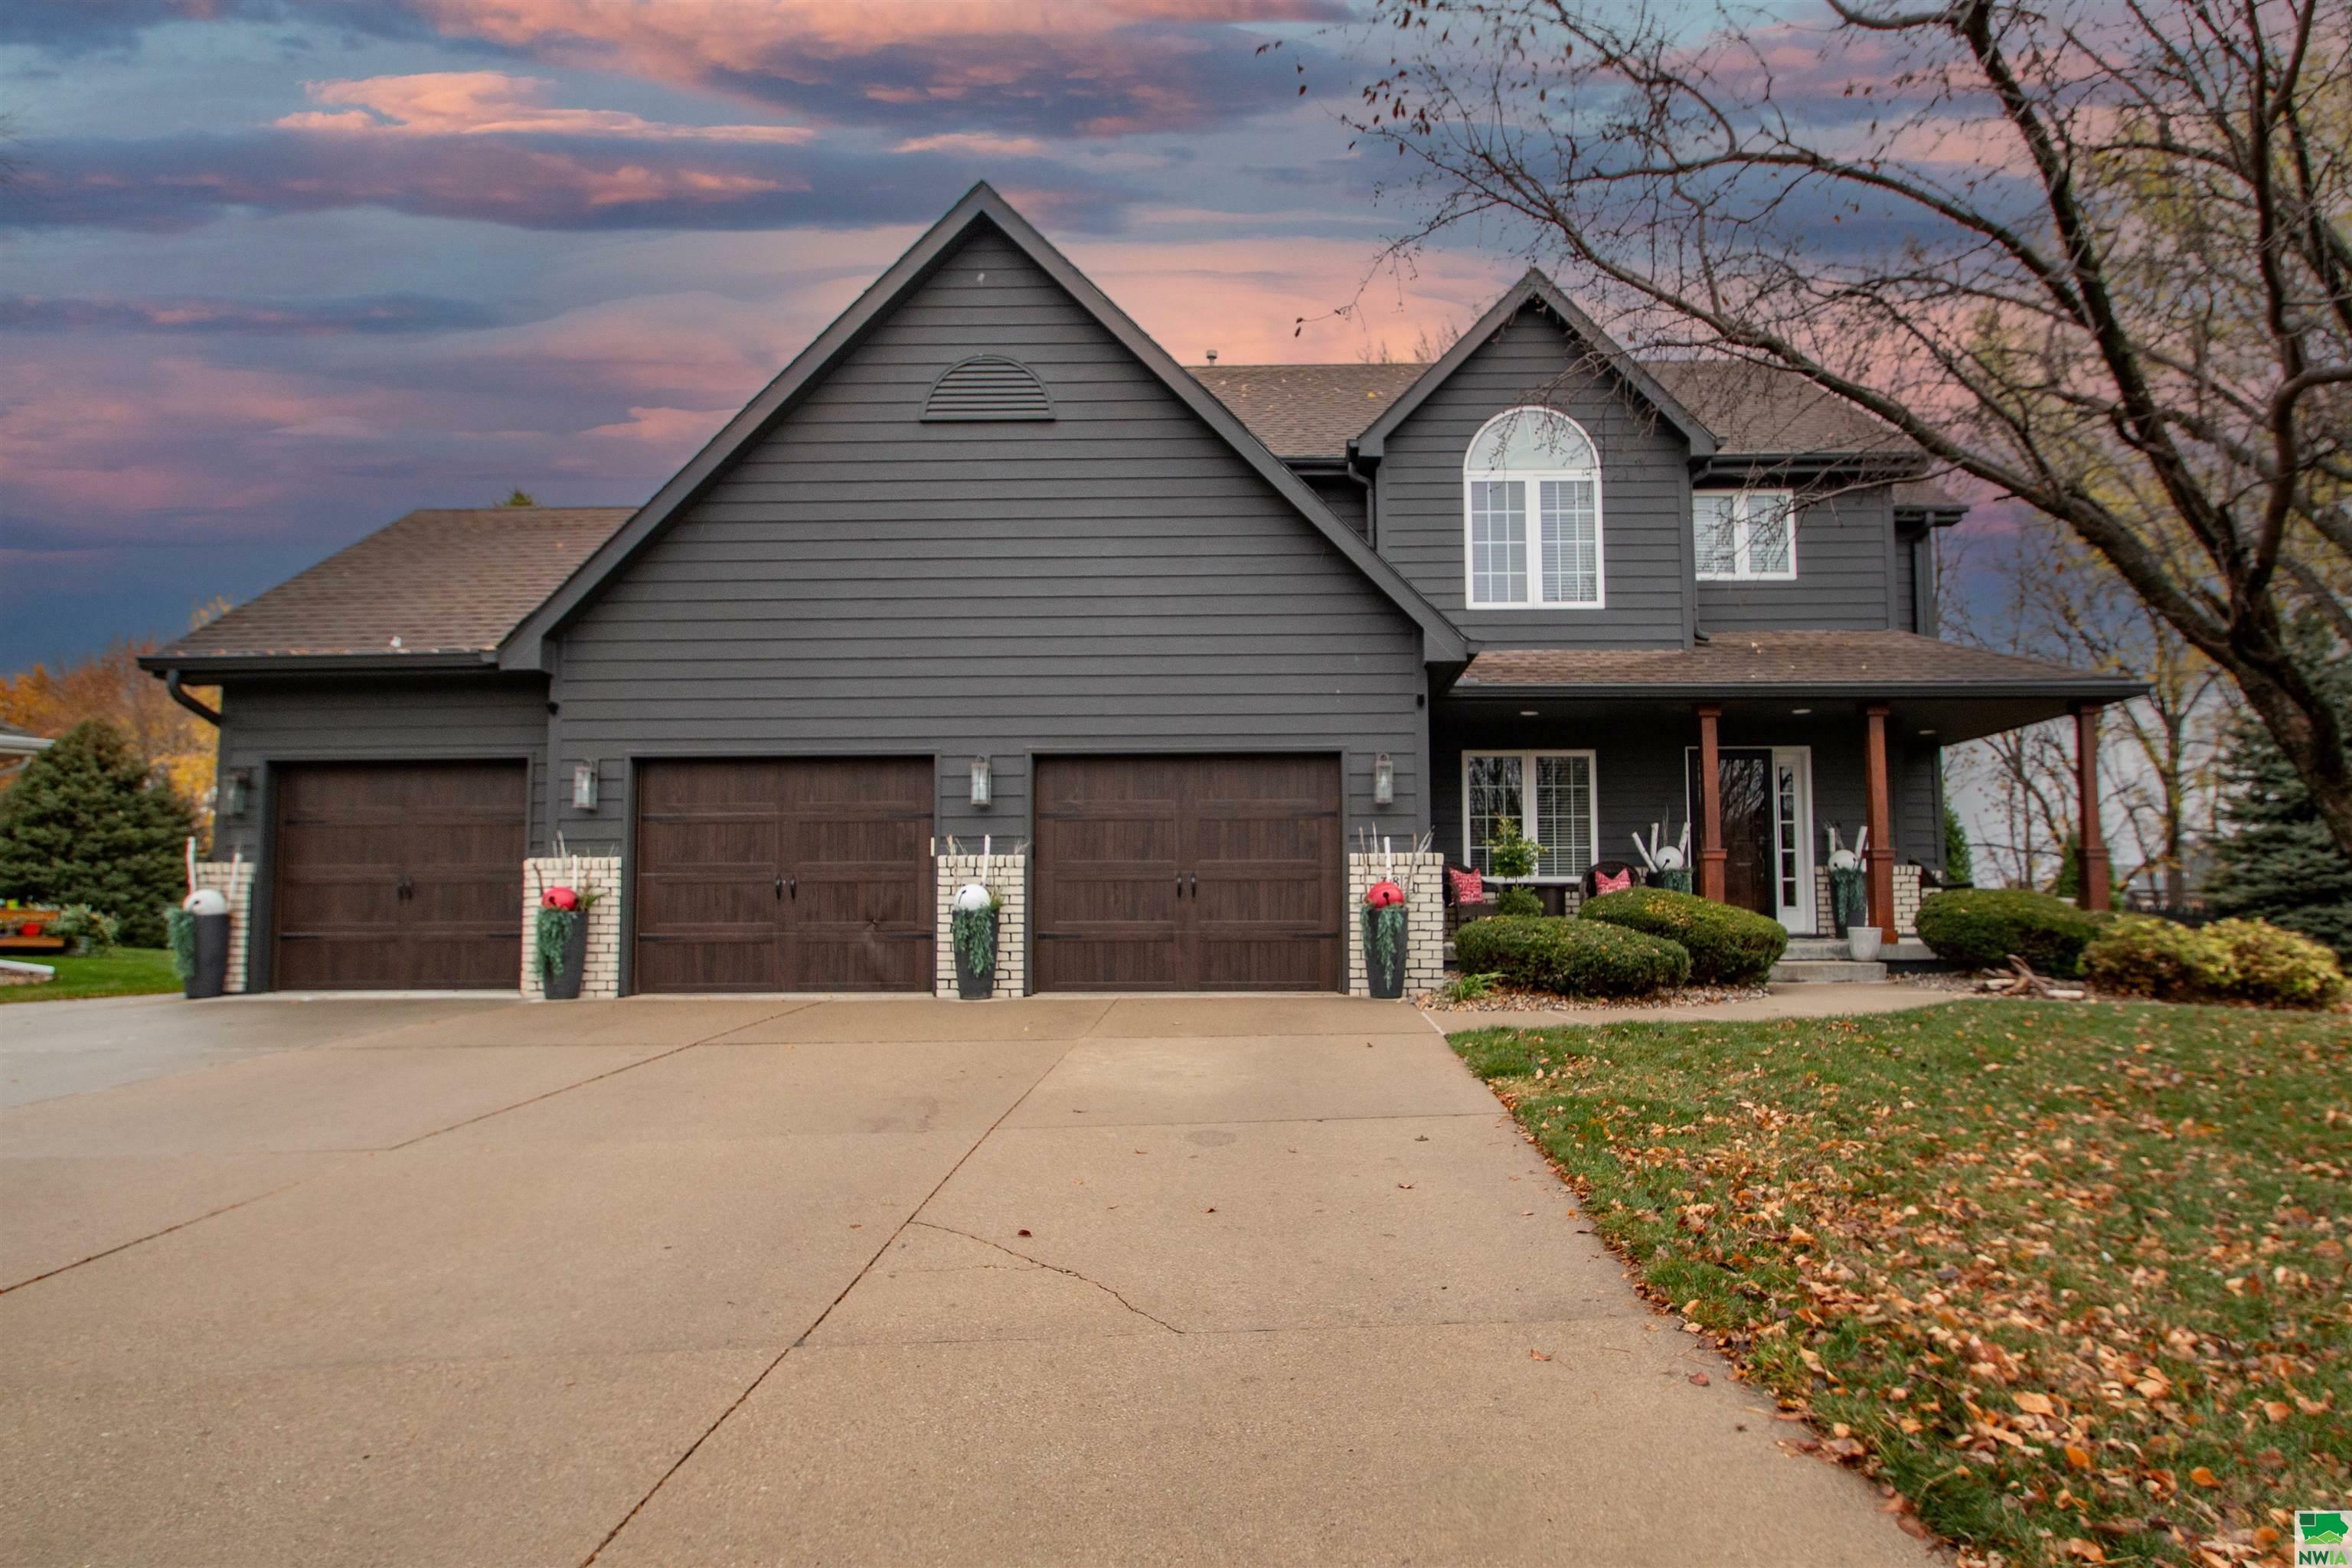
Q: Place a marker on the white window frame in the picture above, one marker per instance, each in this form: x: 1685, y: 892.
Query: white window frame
x: 1804, y: 917
x: 1534, y: 479
x: 1528, y: 807
x: 1742, y: 515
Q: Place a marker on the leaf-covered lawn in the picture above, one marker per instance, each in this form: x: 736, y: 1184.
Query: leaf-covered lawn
x: 2072, y: 1277
x: 125, y: 971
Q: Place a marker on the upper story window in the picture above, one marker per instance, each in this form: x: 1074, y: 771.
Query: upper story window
x: 1532, y: 513
x: 1746, y: 534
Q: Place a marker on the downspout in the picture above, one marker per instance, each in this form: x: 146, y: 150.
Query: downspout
x: 171, y: 686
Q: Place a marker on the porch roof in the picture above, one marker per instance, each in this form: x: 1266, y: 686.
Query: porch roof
x: 1948, y: 689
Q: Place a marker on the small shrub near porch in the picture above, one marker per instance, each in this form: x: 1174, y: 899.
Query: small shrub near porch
x: 1728, y: 945
x: 2231, y: 961
x: 1983, y: 927
x: 1572, y: 957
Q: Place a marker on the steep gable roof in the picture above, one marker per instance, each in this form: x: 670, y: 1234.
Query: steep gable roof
x: 1537, y: 288
x: 981, y: 205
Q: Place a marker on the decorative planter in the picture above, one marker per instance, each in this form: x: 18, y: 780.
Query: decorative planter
x: 1384, y: 941
x: 209, y: 975
x: 1864, y: 943
x: 561, y: 980
x: 975, y: 985
x: 1849, y: 899
x: 1674, y: 880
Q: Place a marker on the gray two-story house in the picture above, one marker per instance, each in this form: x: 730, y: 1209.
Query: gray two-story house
x: 1190, y: 652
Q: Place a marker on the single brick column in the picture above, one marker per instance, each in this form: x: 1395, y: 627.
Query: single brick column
x: 600, y: 973
x: 1006, y: 875
x: 1423, y: 878
x: 233, y: 880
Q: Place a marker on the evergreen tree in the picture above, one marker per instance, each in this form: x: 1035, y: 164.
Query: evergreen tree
x: 86, y: 823
x: 1959, y: 860
x: 2276, y: 860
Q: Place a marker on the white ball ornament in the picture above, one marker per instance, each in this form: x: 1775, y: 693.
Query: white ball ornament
x: 1670, y: 859
x: 1843, y: 860
x: 205, y: 901
x: 973, y: 896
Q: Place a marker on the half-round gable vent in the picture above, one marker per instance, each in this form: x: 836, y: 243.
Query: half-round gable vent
x: 988, y: 386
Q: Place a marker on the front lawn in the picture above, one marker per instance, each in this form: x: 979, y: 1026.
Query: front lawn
x: 125, y: 971
x: 2072, y: 1277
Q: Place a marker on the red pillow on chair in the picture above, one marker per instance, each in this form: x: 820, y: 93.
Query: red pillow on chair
x: 1602, y: 882
x: 1469, y: 886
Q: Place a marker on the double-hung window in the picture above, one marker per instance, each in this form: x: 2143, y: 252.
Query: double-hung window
x: 1744, y: 534
x: 1549, y: 793
x: 1532, y: 513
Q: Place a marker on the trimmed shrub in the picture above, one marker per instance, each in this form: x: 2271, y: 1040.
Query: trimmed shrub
x: 2142, y: 956
x: 1727, y: 946
x: 2271, y: 966
x: 1519, y: 902
x: 2231, y: 961
x: 1573, y: 957
x: 1982, y: 927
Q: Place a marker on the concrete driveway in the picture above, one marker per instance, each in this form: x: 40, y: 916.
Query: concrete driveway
x: 772, y: 1282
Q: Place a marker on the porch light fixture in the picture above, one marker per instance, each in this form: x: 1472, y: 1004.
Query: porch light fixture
x: 235, y: 792
x: 1384, y: 780
x: 1527, y: 712
x: 1801, y: 712
x: 982, y: 785
x: 584, y: 786
x: 1927, y: 731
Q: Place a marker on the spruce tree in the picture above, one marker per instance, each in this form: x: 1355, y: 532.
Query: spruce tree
x: 1959, y: 860
x: 86, y: 823
x: 2275, y: 860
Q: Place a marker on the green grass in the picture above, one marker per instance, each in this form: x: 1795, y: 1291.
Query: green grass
x: 125, y: 971
x: 2072, y: 1277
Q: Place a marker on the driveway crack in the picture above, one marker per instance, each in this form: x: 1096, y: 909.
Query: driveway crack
x: 1041, y: 1263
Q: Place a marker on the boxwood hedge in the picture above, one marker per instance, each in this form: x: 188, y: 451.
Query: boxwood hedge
x: 1728, y: 945
x: 1982, y: 927
x: 1575, y: 958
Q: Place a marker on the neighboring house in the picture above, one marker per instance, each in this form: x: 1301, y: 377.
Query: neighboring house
x: 986, y: 562
x: 17, y: 749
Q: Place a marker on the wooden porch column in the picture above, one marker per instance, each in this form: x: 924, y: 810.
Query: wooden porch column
x: 1880, y: 822
x: 2098, y: 889
x: 1711, y: 853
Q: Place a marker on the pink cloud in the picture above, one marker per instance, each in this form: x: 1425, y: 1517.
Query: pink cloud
x: 978, y: 143
x: 489, y: 103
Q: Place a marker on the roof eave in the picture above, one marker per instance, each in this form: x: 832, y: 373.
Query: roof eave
x: 198, y: 665
x: 526, y: 648
x: 2088, y: 687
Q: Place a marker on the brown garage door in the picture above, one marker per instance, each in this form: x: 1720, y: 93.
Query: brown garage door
x: 398, y: 876
x: 1188, y: 874
x: 775, y: 875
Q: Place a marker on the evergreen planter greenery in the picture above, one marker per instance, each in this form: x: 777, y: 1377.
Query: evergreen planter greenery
x: 971, y: 933
x: 1385, y: 934
x: 1849, y: 897
x: 560, y: 936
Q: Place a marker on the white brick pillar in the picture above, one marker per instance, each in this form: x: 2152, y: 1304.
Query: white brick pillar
x: 1906, y: 901
x: 233, y: 879
x: 1006, y: 875
x: 1423, y: 878
x: 600, y: 973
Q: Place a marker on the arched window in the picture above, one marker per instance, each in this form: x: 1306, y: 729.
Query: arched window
x: 1531, y: 513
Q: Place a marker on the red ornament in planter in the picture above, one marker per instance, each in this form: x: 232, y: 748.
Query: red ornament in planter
x: 1381, y: 895
x: 560, y: 899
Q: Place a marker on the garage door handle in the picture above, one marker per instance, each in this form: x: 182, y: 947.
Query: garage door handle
x: 780, y: 890
x: 1196, y: 886
x: 793, y: 883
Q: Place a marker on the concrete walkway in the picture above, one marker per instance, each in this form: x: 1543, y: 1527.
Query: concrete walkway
x: 1786, y: 1001
x: 718, y: 1282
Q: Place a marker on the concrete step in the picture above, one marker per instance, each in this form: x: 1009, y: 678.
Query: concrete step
x: 1827, y: 971
x: 1833, y: 948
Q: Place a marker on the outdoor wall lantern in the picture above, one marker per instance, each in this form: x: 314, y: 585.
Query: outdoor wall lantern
x: 236, y: 792
x: 982, y: 787
x: 1384, y: 780
x: 584, y: 786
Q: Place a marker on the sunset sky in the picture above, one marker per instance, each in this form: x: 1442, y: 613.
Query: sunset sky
x: 272, y: 274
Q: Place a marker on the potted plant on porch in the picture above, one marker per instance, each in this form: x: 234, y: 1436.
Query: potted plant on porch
x: 1849, y: 897
x: 1511, y: 855
x: 971, y: 932
x: 563, y: 941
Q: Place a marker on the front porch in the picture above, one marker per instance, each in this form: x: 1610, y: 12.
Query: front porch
x: 1760, y: 746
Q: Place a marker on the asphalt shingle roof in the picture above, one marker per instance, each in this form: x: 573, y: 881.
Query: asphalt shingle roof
x: 1730, y: 660
x: 441, y: 581
x: 1314, y: 410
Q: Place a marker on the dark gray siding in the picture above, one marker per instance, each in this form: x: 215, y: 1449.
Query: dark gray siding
x: 1638, y: 771
x: 1348, y: 500
x: 1906, y: 585
x: 1644, y: 496
x: 351, y: 718
x: 1848, y: 576
x: 1116, y: 579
